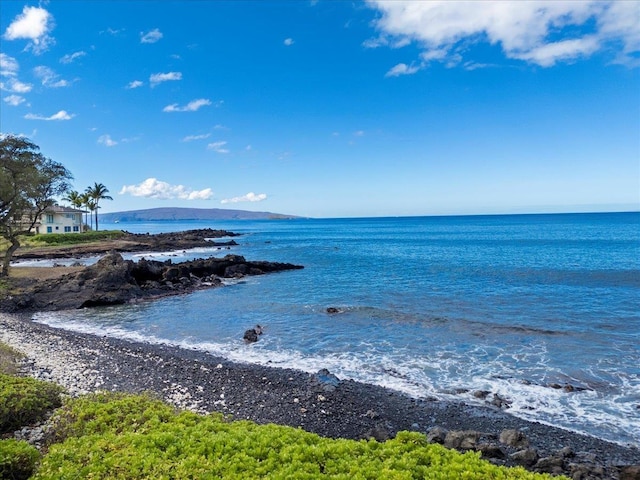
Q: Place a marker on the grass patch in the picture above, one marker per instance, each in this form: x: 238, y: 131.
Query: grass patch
x: 25, y: 401
x: 9, y: 357
x: 55, y: 239
x: 119, y: 436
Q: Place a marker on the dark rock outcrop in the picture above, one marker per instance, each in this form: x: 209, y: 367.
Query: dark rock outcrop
x: 113, y: 280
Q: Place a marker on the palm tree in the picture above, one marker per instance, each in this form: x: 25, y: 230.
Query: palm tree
x: 74, y: 198
x: 96, y: 193
x: 87, y: 204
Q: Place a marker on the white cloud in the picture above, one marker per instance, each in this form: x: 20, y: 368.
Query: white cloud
x: 218, y: 147
x: 8, y: 66
x: 359, y: 133
x: 191, y: 138
x: 157, y: 78
x: 249, y: 197
x: 16, y: 86
x: 537, y: 31
x: 135, y: 84
x: 192, y: 106
x: 71, y: 57
x: 49, y: 78
x: 61, y: 115
x: 107, y: 141
x: 154, y: 188
x: 151, y: 36
x: 14, y: 100
x: 402, y: 69
x: 33, y: 24
x: 288, y: 42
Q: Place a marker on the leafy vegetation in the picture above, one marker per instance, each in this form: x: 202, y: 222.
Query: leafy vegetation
x: 17, y: 459
x: 74, y: 238
x: 25, y: 401
x: 29, y: 181
x: 8, y: 358
x: 133, y: 437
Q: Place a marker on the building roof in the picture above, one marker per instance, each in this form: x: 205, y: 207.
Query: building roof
x: 59, y: 209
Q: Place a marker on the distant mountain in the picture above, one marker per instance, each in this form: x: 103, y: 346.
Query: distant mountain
x: 174, y: 213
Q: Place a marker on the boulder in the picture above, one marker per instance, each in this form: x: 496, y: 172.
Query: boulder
x: 326, y: 380
x: 526, y: 457
x: 437, y: 435
x: 514, y: 438
x: 491, y: 450
x: 462, y: 439
x: 252, y: 335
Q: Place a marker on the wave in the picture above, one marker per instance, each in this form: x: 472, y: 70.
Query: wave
x: 608, y: 414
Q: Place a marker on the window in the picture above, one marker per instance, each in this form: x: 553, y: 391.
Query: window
x: 49, y: 230
x: 76, y: 228
x: 49, y: 218
x: 67, y: 229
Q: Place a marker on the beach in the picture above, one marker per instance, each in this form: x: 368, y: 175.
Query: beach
x: 317, y: 403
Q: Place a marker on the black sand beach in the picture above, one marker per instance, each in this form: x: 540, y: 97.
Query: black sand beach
x: 317, y: 403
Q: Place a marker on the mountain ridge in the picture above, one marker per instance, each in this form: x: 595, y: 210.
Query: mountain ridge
x: 183, y: 213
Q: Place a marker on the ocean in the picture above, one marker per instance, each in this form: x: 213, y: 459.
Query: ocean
x: 514, y: 305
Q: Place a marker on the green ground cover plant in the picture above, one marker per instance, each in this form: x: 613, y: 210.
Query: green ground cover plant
x: 17, y: 459
x: 25, y: 401
x: 119, y: 436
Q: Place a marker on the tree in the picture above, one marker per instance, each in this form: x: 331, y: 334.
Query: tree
x: 96, y: 193
x: 76, y: 200
x: 84, y: 198
x: 29, y: 182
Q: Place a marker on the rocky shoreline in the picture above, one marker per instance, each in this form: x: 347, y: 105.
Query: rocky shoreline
x: 320, y: 403
x: 115, y: 281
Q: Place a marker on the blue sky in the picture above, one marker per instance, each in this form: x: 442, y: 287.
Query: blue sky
x: 332, y: 108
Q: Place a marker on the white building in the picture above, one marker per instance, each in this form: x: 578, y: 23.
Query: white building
x: 59, y: 220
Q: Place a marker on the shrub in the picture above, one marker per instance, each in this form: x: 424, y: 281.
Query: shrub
x: 133, y: 437
x: 25, y: 401
x: 17, y: 459
x: 73, y: 238
x: 8, y: 359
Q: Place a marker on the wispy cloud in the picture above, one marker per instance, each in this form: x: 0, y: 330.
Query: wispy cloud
x: 539, y: 32
x: 154, y: 188
x: 218, y: 147
x: 61, y: 115
x: 192, y: 106
x: 34, y: 24
x: 249, y: 197
x: 15, y: 86
x: 49, y: 78
x: 107, y: 141
x: 14, y: 100
x: 151, y: 36
x: 8, y: 66
x: 135, y: 84
x: 191, y: 138
x: 402, y: 69
x: 288, y: 42
x: 158, y: 78
x: 71, y: 57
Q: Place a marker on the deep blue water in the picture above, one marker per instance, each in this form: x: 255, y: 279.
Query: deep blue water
x: 508, y: 304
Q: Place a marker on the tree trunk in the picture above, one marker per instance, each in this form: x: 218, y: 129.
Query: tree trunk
x: 96, y: 219
x: 7, y: 257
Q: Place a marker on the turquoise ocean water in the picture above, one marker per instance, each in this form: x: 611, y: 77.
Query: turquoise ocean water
x: 431, y: 306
